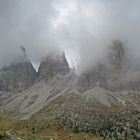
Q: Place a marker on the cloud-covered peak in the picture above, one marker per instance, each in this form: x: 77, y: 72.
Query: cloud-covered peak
x: 84, y: 29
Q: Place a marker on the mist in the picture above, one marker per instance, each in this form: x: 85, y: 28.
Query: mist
x: 83, y: 29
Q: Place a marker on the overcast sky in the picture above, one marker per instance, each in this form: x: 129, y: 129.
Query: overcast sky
x: 82, y: 28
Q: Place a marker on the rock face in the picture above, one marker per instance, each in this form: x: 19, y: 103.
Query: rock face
x: 88, y: 80
x: 112, y: 74
x: 20, y: 76
x: 118, y: 56
x: 52, y: 65
x: 17, y: 77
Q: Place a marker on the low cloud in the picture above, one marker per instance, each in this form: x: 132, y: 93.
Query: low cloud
x: 84, y: 29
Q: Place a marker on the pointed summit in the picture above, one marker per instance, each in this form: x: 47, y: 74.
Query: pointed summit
x: 53, y: 64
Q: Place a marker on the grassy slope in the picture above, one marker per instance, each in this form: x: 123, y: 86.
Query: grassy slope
x: 41, y: 129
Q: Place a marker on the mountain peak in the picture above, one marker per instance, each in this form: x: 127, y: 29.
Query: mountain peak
x: 53, y: 64
x: 17, y: 77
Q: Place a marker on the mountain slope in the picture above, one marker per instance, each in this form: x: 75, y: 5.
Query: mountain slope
x: 61, y: 94
x: 32, y: 100
x: 58, y: 90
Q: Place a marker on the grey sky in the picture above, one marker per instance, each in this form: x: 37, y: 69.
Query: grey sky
x: 82, y: 28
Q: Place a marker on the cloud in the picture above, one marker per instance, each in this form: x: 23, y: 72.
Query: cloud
x: 82, y: 28
x: 25, y: 23
x: 89, y: 28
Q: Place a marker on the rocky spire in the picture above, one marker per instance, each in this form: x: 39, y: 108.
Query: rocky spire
x: 118, y: 56
x: 18, y: 75
x: 52, y: 65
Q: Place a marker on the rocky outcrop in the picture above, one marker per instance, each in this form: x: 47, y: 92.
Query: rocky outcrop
x: 110, y: 73
x: 17, y: 77
x: 21, y: 75
x: 117, y: 56
x: 88, y: 80
x: 53, y: 65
